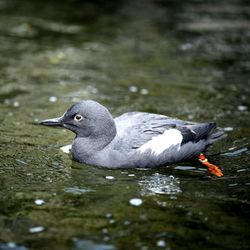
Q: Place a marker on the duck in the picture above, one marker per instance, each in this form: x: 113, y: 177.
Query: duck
x: 135, y: 139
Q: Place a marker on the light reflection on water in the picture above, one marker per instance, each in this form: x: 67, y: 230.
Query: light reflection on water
x: 138, y: 58
x: 90, y: 245
x: 77, y: 190
x: 236, y: 152
x: 160, y: 184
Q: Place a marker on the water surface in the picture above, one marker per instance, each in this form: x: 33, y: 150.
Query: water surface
x: 188, y: 60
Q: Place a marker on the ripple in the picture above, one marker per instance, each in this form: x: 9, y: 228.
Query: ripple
x: 88, y: 244
x: 185, y: 168
x: 77, y: 190
x: 237, y: 152
x: 160, y: 184
x: 12, y: 246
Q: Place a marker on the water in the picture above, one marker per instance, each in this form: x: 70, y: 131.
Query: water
x: 184, y: 59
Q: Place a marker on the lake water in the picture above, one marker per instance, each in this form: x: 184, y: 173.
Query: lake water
x: 187, y: 59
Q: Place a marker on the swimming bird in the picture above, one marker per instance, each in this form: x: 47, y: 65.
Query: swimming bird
x: 133, y: 139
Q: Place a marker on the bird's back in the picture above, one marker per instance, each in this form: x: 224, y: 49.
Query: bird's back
x: 152, y: 140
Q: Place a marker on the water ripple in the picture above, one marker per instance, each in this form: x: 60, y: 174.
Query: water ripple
x: 77, y: 190
x: 160, y: 184
x: 88, y: 244
x: 237, y: 152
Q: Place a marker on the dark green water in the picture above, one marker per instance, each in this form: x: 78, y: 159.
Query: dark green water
x: 187, y: 59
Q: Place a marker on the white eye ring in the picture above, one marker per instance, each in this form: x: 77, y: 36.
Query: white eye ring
x: 78, y: 118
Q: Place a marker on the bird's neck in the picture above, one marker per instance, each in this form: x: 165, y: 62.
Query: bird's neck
x: 85, y: 147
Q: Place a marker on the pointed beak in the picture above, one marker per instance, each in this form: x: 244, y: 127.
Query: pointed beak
x: 52, y: 122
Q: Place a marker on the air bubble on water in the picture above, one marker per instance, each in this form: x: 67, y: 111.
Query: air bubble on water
x: 227, y: 129
x: 109, y: 177
x: 242, y: 108
x: 144, y: 91
x: 16, y: 104
x: 108, y: 215
x: 38, y: 229
x: 131, y: 175
x: 133, y: 89
x: 53, y: 99
x: 112, y: 221
x: 39, y: 202
x: 161, y: 243
x: 135, y: 202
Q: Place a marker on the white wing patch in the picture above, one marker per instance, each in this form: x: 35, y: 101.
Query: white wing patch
x: 158, y: 144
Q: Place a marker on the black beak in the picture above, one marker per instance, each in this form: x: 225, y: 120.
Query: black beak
x: 52, y: 122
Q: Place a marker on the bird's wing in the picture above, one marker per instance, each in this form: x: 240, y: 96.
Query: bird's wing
x: 144, y: 130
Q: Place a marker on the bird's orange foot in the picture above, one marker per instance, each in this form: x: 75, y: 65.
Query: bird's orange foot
x: 213, y: 169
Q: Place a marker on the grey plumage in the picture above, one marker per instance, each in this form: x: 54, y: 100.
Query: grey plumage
x: 134, y: 139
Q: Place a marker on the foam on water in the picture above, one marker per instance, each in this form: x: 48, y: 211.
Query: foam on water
x: 160, y: 184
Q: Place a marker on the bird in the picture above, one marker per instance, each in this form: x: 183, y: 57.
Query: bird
x: 134, y: 139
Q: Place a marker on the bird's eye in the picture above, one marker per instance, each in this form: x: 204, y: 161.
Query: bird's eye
x: 78, y: 118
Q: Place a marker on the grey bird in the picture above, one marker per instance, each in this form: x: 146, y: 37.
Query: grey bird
x: 133, y: 139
